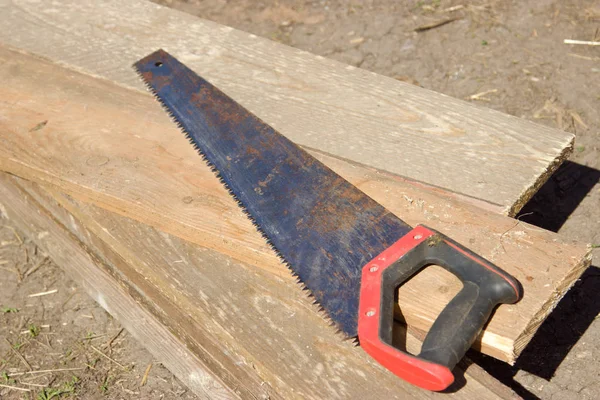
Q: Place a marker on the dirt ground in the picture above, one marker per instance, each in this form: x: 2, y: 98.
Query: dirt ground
x: 506, y: 55
x: 76, y: 349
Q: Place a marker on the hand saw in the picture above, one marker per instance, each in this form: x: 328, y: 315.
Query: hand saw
x: 345, y: 248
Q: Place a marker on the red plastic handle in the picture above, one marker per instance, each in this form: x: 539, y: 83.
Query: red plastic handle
x: 454, y: 330
x: 414, y: 370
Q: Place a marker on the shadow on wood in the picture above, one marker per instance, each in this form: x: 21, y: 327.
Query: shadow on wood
x: 501, y: 371
x: 556, y: 336
x: 559, y: 196
x: 564, y: 327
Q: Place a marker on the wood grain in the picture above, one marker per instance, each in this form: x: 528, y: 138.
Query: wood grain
x: 87, y: 268
x: 316, y: 102
x: 255, y: 332
x: 116, y: 149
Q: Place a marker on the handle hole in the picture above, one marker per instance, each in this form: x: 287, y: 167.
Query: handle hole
x: 442, y: 286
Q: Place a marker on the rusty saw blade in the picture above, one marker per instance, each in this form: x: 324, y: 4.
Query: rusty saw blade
x: 334, y: 238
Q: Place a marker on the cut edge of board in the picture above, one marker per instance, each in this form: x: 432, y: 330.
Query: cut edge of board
x: 541, y: 179
x: 521, y: 342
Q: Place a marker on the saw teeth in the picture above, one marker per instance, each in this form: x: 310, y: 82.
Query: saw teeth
x: 214, y: 169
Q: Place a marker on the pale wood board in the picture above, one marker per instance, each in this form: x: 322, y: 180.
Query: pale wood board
x: 253, y: 331
x: 115, y: 148
x: 319, y: 103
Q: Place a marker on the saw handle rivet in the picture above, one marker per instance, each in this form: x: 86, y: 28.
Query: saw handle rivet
x: 374, y: 268
x: 417, y: 237
x: 370, y: 313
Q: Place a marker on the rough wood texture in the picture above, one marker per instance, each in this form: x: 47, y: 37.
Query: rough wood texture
x: 86, y: 267
x: 115, y: 148
x: 184, y: 300
x: 319, y: 103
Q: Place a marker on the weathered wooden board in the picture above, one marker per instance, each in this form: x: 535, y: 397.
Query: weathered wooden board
x: 319, y: 103
x: 88, y: 268
x: 115, y: 148
x: 209, y: 318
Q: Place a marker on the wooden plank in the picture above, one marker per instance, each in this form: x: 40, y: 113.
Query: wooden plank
x: 257, y: 333
x: 115, y: 148
x: 319, y: 103
x: 86, y: 268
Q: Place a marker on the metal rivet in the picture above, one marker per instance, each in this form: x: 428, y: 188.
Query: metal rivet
x: 417, y: 237
x: 373, y: 268
x: 370, y: 313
